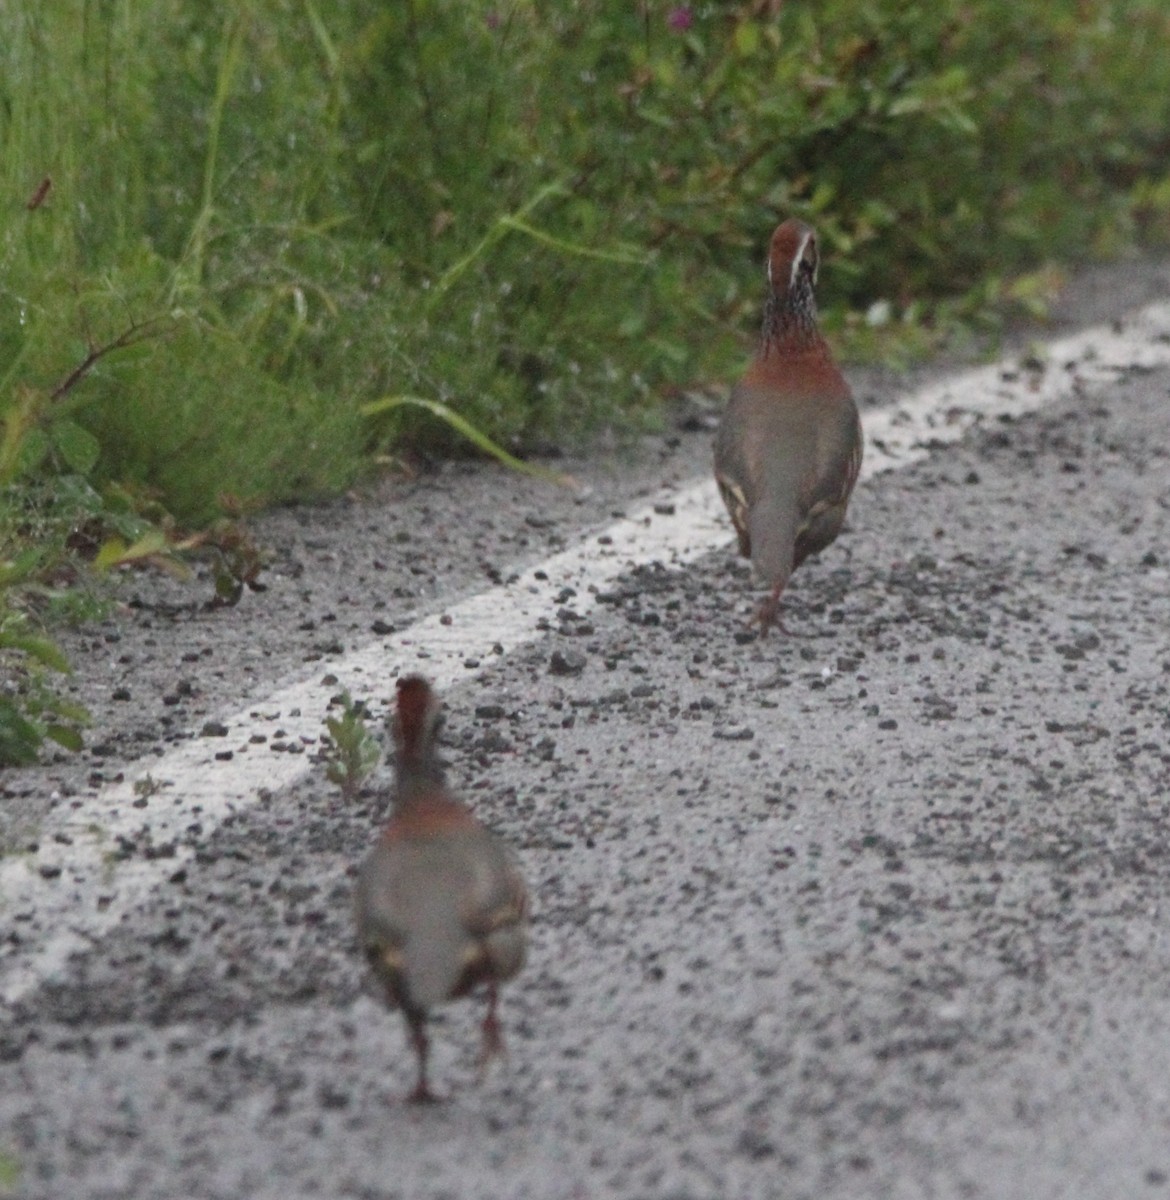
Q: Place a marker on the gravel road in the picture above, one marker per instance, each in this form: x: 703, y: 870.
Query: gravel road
x: 874, y: 909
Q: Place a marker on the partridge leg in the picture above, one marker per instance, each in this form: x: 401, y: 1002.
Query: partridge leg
x: 492, y: 1045
x: 768, y: 613
x: 416, y: 1020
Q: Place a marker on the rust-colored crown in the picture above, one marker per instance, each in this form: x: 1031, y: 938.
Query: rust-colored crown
x: 418, y: 710
x: 790, y: 309
x: 793, y: 252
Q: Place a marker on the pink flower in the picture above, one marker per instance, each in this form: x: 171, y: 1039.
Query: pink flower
x: 680, y: 19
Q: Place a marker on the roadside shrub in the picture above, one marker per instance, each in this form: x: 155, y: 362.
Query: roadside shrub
x: 303, y: 231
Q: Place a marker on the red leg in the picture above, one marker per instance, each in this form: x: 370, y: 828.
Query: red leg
x: 417, y: 1021
x: 492, y: 1045
x: 768, y: 612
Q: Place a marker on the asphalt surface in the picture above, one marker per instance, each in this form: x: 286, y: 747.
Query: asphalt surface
x: 873, y: 909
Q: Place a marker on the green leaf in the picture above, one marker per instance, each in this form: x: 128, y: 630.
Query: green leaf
x: 44, y: 651
x: 18, y: 569
x: 228, y: 589
x: 672, y: 352
x: 33, y: 449
x: 114, y: 552
x: 469, y: 431
x: 109, y: 554
x: 747, y: 38
x: 65, y: 735
x: 77, y: 446
x: 153, y: 541
x: 65, y: 710
x: 20, y: 739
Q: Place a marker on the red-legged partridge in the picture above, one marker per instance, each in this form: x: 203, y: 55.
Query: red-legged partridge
x: 789, y: 445
x: 440, y: 904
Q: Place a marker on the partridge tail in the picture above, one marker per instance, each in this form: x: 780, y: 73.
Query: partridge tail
x: 434, y: 959
x: 773, y: 537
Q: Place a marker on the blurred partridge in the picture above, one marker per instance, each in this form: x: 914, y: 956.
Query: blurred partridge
x: 440, y: 905
x: 789, y: 445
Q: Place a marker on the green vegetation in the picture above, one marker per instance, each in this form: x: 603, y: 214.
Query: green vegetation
x: 10, y: 1172
x: 284, y: 242
x: 351, y: 750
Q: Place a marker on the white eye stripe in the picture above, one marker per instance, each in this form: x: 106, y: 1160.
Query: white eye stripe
x: 798, y: 258
x: 804, y: 253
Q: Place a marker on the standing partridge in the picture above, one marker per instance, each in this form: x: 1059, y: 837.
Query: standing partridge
x: 440, y: 904
x: 789, y: 445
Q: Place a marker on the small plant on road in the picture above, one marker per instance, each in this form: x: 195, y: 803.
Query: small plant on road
x: 352, y: 751
x: 10, y: 1172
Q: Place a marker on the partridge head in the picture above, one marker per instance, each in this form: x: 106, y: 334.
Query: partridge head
x: 789, y: 445
x: 441, y: 908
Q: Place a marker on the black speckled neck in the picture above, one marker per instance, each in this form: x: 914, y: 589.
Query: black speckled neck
x: 790, y: 316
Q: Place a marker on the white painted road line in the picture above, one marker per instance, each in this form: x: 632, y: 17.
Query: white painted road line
x: 96, y: 891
